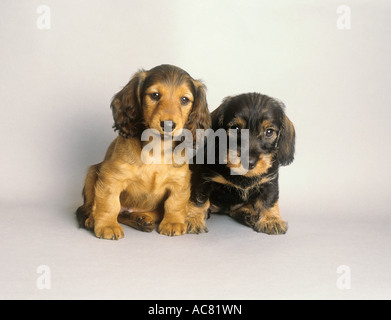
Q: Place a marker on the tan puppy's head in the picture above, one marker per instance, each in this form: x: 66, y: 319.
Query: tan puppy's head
x: 165, y: 98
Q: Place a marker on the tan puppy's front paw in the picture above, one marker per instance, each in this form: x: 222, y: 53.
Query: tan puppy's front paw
x: 172, y: 229
x: 112, y: 232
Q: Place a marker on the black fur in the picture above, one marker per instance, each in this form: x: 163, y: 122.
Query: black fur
x: 247, y: 197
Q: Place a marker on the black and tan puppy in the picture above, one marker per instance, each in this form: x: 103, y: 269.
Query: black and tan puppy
x: 248, y: 190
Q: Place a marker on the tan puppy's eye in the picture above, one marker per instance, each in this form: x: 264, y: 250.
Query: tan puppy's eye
x: 155, y: 96
x: 185, y: 101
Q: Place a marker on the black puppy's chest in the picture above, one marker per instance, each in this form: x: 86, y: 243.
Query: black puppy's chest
x: 228, y: 194
x: 238, y: 190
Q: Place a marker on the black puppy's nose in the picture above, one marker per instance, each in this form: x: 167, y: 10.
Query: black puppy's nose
x: 168, y: 125
x: 252, y: 162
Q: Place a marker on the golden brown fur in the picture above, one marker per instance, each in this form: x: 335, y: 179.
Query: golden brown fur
x: 123, y: 188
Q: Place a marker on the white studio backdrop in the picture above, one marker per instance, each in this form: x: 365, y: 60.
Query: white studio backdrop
x: 329, y: 62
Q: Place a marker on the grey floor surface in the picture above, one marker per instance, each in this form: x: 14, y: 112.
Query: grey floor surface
x: 229, y: 262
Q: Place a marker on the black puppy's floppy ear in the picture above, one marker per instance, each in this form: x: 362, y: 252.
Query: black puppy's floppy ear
x: 218, y: 114
x: 126, y: 107
x: 286, y: 142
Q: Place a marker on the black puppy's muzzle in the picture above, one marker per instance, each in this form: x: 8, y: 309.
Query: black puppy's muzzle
x: 252, y: 162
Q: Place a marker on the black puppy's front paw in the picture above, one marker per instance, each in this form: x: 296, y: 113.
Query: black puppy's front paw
x: 245, y: 216
x: 271, y: 225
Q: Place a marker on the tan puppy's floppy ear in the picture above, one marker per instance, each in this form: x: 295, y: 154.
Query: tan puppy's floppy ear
x: 286, y: 142
x: 199, y: 117
x: 127, y: 107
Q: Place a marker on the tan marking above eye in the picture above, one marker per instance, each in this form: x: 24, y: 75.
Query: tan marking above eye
x: 267, y: 129
x: 270, y: 132
x: 237, y: 123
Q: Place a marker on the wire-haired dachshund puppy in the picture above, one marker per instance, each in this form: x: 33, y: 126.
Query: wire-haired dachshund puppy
x: 248, y: 190
x: 123, y: 188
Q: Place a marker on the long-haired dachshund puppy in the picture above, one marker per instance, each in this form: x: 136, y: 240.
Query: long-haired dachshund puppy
x: 248, y: 190
x: 123, y: 188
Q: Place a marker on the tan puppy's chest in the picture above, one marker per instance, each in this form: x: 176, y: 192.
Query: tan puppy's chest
x: 148, y: 186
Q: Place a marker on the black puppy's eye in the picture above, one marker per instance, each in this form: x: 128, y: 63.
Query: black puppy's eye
x: 185, y: 101
x: 269, y: 133
x: 155, y: 96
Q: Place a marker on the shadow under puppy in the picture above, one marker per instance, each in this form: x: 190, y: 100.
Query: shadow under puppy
x: 123, y: 188
x: 247, y: 190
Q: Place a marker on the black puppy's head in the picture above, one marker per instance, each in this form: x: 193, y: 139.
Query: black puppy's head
x: 271, y: 133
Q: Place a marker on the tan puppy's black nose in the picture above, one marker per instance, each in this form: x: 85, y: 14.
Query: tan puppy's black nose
x: 168, y: 125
